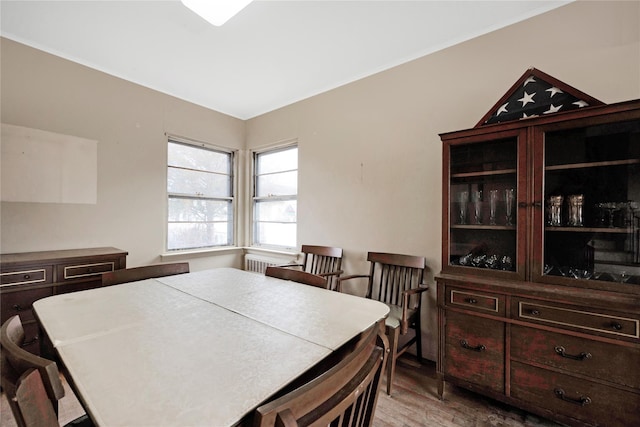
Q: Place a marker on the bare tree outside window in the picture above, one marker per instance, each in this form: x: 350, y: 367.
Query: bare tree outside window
x: 200, y: 196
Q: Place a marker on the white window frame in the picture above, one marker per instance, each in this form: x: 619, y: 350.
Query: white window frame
x: 232, y: 198
x: 255, y: 199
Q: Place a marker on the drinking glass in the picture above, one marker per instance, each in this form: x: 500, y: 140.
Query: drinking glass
x: 476, y: 198
x: 493, y: 201
x: 463, y: 198
x: 575, y: 210
x: 509, y: 200
x: 555, y: 210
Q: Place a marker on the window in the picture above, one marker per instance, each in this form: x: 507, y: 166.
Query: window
x: 275, y: 197
x: 200, y: 196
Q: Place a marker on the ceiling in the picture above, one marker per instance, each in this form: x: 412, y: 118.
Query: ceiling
x: 271, y: 54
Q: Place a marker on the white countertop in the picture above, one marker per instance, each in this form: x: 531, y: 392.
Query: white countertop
x: 202, y: 348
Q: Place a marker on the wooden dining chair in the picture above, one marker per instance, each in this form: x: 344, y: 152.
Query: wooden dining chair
x: 323, y: 261
x: 398, y: 281
x: 345, y: 395
x: 32, y: 383
x: 297, y: 276
x: 125, y: 275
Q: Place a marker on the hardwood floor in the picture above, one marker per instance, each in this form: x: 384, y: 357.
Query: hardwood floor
x: 414, y: 403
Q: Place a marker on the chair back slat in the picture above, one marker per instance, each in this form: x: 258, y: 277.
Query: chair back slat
x: 34, y: 408
x: 345, y: 395
x: 323, y: 260
x: 392, y: 274
x: 145, y: 272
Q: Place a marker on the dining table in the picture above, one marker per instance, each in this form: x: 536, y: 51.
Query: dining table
x: 198, y: 349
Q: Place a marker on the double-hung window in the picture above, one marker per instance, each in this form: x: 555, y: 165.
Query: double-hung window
x: 200, y: 193
x: 275, y: 197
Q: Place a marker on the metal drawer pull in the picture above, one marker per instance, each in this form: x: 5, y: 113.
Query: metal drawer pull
x: 17, y: 307
x: 471, y: 300
x: 582, y: 401
x: 27, y: 276
x: 27, y: 343
x: 582, y: 356
x: 466, y: 345
x: 535, y: 312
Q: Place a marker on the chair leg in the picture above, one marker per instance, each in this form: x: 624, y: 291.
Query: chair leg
x: 393, y: 335
x: 418, y: 342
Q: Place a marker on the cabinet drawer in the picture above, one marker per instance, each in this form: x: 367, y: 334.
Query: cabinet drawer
x: 20, y: 302
x: 26, y: 276
x: 573, y: 397
x: 595, y: 359
x: 80, y: 270
x: 477, y: 301
x: 578, y: 318
x: 474, y: 350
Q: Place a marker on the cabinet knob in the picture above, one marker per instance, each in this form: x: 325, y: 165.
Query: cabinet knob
x: 535, y: 312
x: 617, y: 326
x: 17, y: 307
x: 471, y: 301
x: 27, y: 276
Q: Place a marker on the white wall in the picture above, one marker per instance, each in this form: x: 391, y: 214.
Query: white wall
x: 370, y: 155
x: 129, y: 122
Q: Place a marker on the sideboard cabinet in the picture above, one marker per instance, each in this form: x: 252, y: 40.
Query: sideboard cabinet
x: 29, y: 276
x: 539, y: 294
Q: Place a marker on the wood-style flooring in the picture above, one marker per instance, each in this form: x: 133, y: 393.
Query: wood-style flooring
x: 414, y: 403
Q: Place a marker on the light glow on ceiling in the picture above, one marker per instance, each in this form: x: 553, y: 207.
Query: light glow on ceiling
x: 216, y: 12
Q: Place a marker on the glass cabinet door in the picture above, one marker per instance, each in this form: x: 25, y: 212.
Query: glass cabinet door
x: 483, y: 205
x: 590, y: 213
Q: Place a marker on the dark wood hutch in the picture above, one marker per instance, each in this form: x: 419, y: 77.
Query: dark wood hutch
x: 539, y: 294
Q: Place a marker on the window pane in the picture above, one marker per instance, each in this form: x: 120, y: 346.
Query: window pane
x: 276, y: 211
x: 277, y: 234
x: 193, y: 210
x: 277, y: 161
x: 181, y: 181
x: 191, y: 157
x: 188, y: 235
x: 280, y: 184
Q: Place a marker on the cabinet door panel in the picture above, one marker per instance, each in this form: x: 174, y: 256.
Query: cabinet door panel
x: 574, y: 397
x: 475, y: 350
x: 596, y: 359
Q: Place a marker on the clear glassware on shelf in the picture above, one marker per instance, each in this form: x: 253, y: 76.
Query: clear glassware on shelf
x: 493, y: 201
x: 575, y: 210
x: 463, y: 198
x: 555, y: 210
x: 611, y: 208
x: 509, y: 200
x: 476, y: 199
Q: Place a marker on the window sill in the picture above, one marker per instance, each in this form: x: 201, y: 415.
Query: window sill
x: 191, y: 253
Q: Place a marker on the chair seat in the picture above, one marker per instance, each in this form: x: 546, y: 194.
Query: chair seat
x: 395, y: 316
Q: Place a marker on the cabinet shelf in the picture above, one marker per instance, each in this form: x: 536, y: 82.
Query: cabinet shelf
x: 592, y: 164
x: 483, y: 173
x: 484, y: 227
x: 607, y: 230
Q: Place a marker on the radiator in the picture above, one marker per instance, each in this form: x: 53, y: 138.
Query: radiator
x: 259, y: 264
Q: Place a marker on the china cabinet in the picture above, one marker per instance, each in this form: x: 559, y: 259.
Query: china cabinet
x: 539, y: 294
x: 29, y: 276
